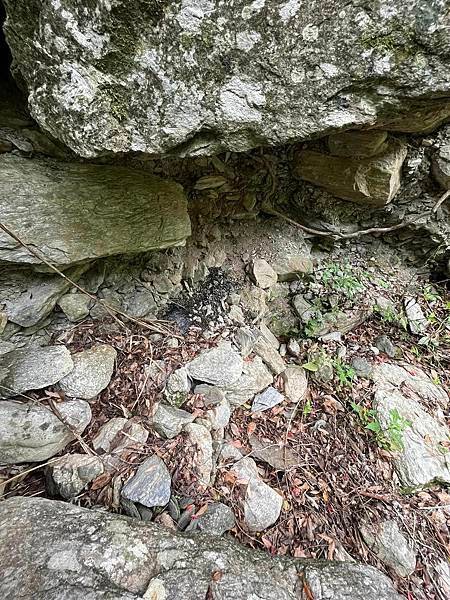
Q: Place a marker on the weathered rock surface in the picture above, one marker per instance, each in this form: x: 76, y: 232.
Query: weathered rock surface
x: 373, y: 181
x: 270, y: 355
x: 178, y: 386
x: 441, y: 162
x: 117, y: 436
x: 48, y: 552
x: 391, y: 546
x: 217, y: 519
x: 168, y: 421
x: 295, y: 383
x: 263, y: 274
x: 221, y: 366
x: 72, y: 473
x: 91, y: 373
x: 82, y: 211
x: 150, y: 486
x: 34, y: 368
x: 255, y: 377
x: 358, y: 144
x: 200, y: 438
x: 32, y: 432
x: 262, y: 505
x: 75, y: 306
x: 267, y: 399
x: 201, y: 78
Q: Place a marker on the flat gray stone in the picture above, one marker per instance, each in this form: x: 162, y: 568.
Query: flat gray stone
x: 200, y: 438
x: 292, y: 266
x: 267, y: 399
x: 75, y: 306
x: 270, y: 355
x: 275, y: 455
x: 219, y: 415
x: 211, y: 394
x: 416, y: 319
x: 34, y: 368
x: 72, y: 473
x: 262, y: 505
x: 84, y: 211
x: 391, y: 546
x: 91, y: 373
x: 31, y: 432
x: 255, y: 377
x: 384, y: 344
x: 217, y: 519
x: 262, y: 274
x: 168, y: 421
x: 150, y: 485
x: 221, y: 366
x: 245, y: 339
x: 295, y: 383
x: 129, y: 560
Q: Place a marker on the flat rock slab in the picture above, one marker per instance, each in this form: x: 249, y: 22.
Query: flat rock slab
x: 267, y: 399
x: 91, y: 373
x: 32, y: 432
x: 295, y: 383
x: 34, y: 368
x: 391, y: 546
x: 189, y: 78
x: 48, y: 551
x: 168, y: 421
x: 276, y: 455
x: 262, y: 505
x: 150, y: 486
x: 221, y: 366
x: 81, y: 211
x: 200, y: 438
x: 72, y: 473
x: 255, y: 377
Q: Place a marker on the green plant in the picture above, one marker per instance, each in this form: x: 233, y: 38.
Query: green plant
x: 340, y: 278
x: 367, y: 416
x: 390, y: 315
x: 345, y: 373
x: 307, y: 409
x: 396, y: 428
x: 392, y: 439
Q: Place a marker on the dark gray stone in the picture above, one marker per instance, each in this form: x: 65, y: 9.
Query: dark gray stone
x: 150, y: 485
x: 217, y: 519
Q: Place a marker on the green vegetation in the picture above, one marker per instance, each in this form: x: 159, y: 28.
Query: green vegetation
x: 345, y: 373
x: 341, y: 279
x: 390, y: 439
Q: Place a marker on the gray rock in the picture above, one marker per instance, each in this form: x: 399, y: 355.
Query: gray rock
x: 391, y: 546
x: 362, y: 367
x: 150, y: 486
x: 270, y: 355
x: 219, y: 415
x: 75, y: 306
x: 91, y: 373
x: 291, y: 267
x: 217, y: 519
x: 212, y: 395
x: 416, y: 319
x: 245, y: 339
x: 72, y: 473
x: 276, y: 455
x: 178, y: 386
x: 303, y: 308
x: 200, y: 438
x: 295, y: 383
x: 117, y: 436
x: 128, y: 560
x: 221, y: 366
x: 267, y: 399
x: 154, y: 80
x: 34, y: 368
x: 97, y: 196
x: 441, y: 162
x: 384, y: 344
x: 33, y: 433
x: 262, y: 274
x: 255, y: 377
x: 269, y: 336
x: 168, y: 421
x: 373, y: 181
x: 293, y: 348
x: 358, y: 144
x: 262, y: 505
x: 29, y: 297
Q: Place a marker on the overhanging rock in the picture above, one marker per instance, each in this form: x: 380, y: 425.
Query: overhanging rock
x: 75, y: 212
x: 190, y: 77
x: 52, y: 550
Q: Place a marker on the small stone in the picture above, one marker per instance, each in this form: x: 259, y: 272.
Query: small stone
x: 221, y: 366
x: 245, y: 469
x: 217, y: 519
x: 333, y: 336
x: 270, y: 356
x: 384, y: 344
x: 295, y: 383
x: 150, y: 486
x: 178, y: 386
x: 416, y: 319
x: 276, y: 455
x: 293, y: 348
x: 262, y: 505
x: 291, y: 267
x: 268, y: 399
x: 245, y: 338
x: 34, y: 368
x: 72, y: 473
x: 235, y: 314
x: 201, y: 439
x: 92, y: 372
x: 230, y: 453
x: 211, y: 394
x: 269, y: 336
x: 168, y: 421
x: 172, y: 343
x: 262, y: 274
x: 362, y: 367
x: 304, y: 309
x: 119, y: 434
x: 357, y: 144
x: 31, y: 432
x: 391, y: 546
x: 75, y: 306
x: 255, y: 377
x: 219, y: 415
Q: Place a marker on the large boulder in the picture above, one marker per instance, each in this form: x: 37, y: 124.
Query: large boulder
x: 75, y: 212
x: 198, y: 77
x: 52, y: 550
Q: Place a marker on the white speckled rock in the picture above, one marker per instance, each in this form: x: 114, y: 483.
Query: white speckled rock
x: 391, y: 546
x: 267, y: 399
x: 190, y: 78
x: 262, y: 505
x: 72, y: 473
x: 200, y: 438
x: 33, y: 433
x: 221, y: 366
x: 295, y: 383
x: 168, y: 421
x: 91, y: 373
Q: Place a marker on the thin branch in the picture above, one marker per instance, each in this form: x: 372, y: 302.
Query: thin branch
x: 441, y: 201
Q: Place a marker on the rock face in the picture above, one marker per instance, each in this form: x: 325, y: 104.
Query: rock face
x: 72, y: 473
x: 201, y: 77
x: 48, y: 551
x: 32, y: 432
x: 82, y: 211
